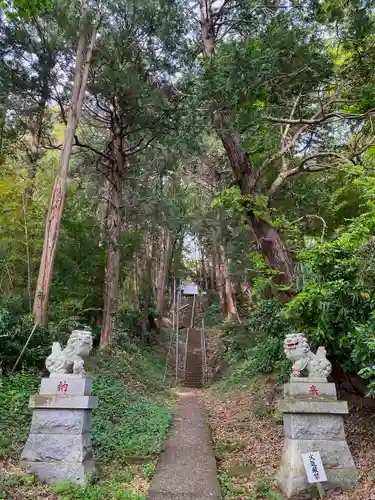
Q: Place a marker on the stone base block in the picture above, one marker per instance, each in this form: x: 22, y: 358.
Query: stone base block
x: 308, y: 387
x: 66, y: 401
x: 61, y: 421
x: 293, y: 482
x: 320, y: 426
x: 78, y: 385
x: 290, y: 405
x: 337, y: 461
x: 59, y: 472
x: 57, y: 448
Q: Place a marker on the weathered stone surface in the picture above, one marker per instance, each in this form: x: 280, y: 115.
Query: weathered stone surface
x: 62, y: 401
x: 321, y: 380
x: 70, y: 359
x: 307, y: 426
x: 303, y: 387
x: 337, y: 460
x: 59, y: 472
x: 297, y: 349
x: 297, y: 406
x: 61, y: 422
x: 57, y: 448
x: 65, y: 384
x: 78, y: 385
x: 334, y: 454
x: 293, y: 482
x: 313, y: 421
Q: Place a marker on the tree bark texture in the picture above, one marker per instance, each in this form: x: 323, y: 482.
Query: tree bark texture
x: 56, y: 206
x: 230, y: 303
x: 219, y: 280
x: 112, y: 274
x: 163, y: 272
x: 267, y: 237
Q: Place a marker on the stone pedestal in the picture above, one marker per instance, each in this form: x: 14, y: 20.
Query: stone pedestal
x: 313, y: 421
x: 59, y: 445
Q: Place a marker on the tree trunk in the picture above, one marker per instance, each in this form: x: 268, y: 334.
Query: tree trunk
x: 230, y: 303
x: 276, y: 254
x: 56, y: 206
x: 268, y: 239
x: 111, y: 288
x: 213, y: 267
x: 147, y: 284
x: 163, y: 272
x: 219, y: 279
x: 203, y: 271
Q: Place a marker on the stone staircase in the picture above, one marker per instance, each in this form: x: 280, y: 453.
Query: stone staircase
x: 193, y: 367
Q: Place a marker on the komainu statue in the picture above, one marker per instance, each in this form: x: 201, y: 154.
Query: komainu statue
x: 297, y: 349
x: 71, y: 359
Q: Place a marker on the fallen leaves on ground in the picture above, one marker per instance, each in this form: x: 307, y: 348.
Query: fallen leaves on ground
x: 248, y: 439
x: 15, y: 484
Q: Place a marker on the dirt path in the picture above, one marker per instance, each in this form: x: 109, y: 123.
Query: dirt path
x: 186, y: 470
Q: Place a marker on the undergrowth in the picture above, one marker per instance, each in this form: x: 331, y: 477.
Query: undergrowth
x: 129, y: 425
x: 264, y: 488
x: 15, y: 416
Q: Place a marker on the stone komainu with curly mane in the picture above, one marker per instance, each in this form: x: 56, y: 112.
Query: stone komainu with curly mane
x: 71, y: 359
x: 297, y: 349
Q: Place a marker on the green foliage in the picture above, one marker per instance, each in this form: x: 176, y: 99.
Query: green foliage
x: 15, y: 416
x: 335, y: 305
x: 127, y: 423
x: 256, y: 346
x: 115, y: 488
x: 132, y: 418
x: 16, y: 325
x: 24, y: 8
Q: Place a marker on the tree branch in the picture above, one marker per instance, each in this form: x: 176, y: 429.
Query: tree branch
x: 324, y: 118
x: 285, y: 174
x: 312, y: 216
x: 77, y: 142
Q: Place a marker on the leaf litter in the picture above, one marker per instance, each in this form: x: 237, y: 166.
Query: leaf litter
x: 248, y: 437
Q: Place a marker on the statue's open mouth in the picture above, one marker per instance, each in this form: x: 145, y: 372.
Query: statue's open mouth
x: 291, y: 345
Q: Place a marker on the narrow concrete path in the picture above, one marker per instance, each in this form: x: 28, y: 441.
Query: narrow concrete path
x: 186, y: 469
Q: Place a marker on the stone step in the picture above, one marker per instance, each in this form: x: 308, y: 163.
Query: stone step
x: 193, y: 381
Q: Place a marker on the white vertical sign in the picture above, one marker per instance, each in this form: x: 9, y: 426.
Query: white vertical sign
x: 314, y: 467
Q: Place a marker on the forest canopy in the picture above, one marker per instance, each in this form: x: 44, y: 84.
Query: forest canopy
x: 130, y: 129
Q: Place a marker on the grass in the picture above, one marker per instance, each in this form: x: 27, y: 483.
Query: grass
x: 15, y: 416
x: 129, y: 427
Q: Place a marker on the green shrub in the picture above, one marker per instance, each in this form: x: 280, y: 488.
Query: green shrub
x: 264, y: 329
x: 336, y: 306
x: 109, y: 490
x: 15, y: 417
x: 256, y: 346
x: 16, y: 325
x: 126, y: 423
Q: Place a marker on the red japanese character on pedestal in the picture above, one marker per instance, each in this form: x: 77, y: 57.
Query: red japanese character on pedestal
x: 62, y: 387
x: 314, y: 391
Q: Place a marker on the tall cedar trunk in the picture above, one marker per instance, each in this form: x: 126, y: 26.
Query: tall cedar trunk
x: 163, y: 272
x: 219, y: 279
x: 268, y: 239
x: 103, y: 209
x: 47, y: 63
x: 147, y: 283
x: 213, y: 267
x: 112, y: 275
x: 56, y: 206
x: 203, y: 271
x: 230, y: 304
